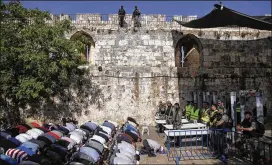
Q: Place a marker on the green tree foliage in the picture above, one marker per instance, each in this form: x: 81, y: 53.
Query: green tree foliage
x: 36, y: 59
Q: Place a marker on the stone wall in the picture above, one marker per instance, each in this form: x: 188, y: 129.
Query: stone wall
x: 232, y: 66
x: 136, y: 74
x: 139, y: 70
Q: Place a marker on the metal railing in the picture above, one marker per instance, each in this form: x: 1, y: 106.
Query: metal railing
x: 217, y: 143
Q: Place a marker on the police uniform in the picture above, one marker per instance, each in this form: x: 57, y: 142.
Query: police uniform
x: 194, y: 113
x: 205, y: 116
x: 135, y: 16
x: 213, y: 118
x: 121, y: 14
x: 188, y: 110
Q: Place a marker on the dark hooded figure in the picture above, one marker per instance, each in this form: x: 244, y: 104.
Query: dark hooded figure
x: 136, y: 15
x: 121, y: 15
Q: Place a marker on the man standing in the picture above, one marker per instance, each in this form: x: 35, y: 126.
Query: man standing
x: 213, y: 115
x: 221, y: 104
x: 177, y: 120
x: 136, y: 16
x: 205, y: 116
x: 188, y: 109
x: 222, y: 119
x: 194, y: 113
x: 121, y: 14
x: 221, y: 122
x: 169, y: 112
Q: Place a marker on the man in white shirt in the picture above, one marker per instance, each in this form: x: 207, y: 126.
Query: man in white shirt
x: 151, y: 147
x: 126, y: 147
x: 99, y: 139
x: 33, y: 134
x: 127, y: 150
x: 119, y: 157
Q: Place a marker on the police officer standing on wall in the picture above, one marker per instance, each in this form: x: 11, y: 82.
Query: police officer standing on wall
x: 135, y: 16
x: 121, y: 15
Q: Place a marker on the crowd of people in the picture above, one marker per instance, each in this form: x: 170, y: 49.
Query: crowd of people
x: 34, y: 143
x: 214, y: 116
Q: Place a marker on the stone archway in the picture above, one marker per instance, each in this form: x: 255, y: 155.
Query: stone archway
x: 192, y: 49
x: 87, y: 40
x: 188, y: 61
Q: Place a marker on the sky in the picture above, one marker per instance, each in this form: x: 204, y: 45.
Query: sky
x: 169, y: 8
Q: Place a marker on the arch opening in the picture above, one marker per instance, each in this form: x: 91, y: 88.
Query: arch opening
x: 188, y: 52
x: 88, y: 42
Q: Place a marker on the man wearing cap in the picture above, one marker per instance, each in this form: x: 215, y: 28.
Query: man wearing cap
x: 151, y: 147
x: 121, y: 14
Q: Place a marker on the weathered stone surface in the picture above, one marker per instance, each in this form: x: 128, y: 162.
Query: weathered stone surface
x: 134, y: 63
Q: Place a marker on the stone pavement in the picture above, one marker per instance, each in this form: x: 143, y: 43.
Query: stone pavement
x: 162, y: 159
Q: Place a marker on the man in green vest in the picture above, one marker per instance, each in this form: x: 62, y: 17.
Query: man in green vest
x: 194, y: 113
x: 188, y: 110
x: 206, y: 112
x: 213, y: 118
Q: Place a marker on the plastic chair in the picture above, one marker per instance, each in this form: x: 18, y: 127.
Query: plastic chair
x: 145, y: 129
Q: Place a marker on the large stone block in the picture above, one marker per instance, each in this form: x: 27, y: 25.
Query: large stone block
x: 168, y: 49
x: 123, y: 42
x: 151, y: 42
